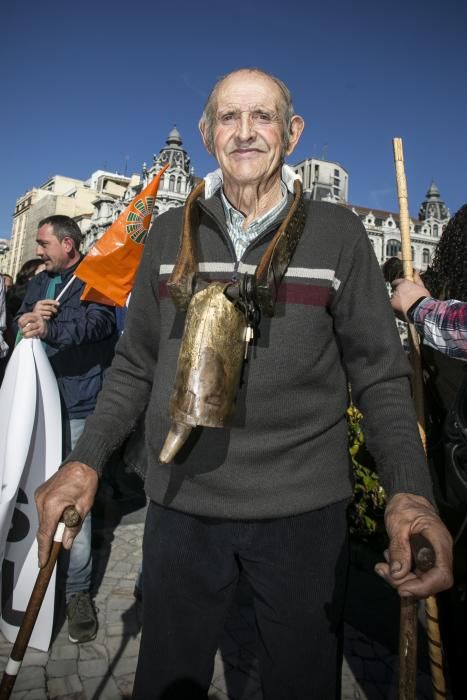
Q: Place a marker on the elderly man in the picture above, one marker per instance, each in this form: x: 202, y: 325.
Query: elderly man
x: 267, y: 494
x: 79, y: 339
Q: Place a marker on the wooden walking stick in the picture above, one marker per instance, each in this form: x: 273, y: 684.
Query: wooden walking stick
x: 70, y: 518
x: 408, y: 646
x: 423, y: 556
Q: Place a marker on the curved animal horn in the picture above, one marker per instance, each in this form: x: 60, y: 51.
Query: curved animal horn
x: 176, y: 438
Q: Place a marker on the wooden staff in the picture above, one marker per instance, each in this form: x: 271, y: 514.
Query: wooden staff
x: 423, y: 556
x: 408, y: 640
x: 70, y: 518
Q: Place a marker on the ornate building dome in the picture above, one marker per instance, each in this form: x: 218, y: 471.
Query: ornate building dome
x: 177, y: 181
x: 433, y: 206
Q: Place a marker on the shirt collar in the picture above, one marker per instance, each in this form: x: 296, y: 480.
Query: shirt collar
x: 235, y: 218
x: 214, y: 181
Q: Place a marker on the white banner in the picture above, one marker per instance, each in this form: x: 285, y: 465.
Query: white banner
x: 30, y: 452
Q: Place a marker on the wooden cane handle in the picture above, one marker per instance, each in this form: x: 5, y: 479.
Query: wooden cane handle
x: 71, y: 517
x: 423, y: 554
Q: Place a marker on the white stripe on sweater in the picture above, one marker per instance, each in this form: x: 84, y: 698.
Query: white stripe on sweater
x: 310, y: 273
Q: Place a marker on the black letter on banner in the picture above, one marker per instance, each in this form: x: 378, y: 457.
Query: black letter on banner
x: 19, y: 523
x: 11, y: 616
x: 18, y: 531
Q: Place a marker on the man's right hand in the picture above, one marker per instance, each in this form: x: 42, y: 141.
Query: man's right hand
x: 74, y: 484
x: 47, y: 308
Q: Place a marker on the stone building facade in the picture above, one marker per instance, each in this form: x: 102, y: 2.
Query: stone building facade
x: 175, y: 186
x: 58, y: 195
x: 178, y: 180
x: 323, y: 179
x: 328, y: 181
x: 384, y: 231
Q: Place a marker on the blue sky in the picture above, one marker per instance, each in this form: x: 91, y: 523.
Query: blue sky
x: 89, y: 85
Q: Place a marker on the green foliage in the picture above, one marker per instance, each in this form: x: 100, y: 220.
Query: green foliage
x: 367, y: 508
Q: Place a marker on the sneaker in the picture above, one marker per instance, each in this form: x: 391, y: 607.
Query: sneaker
x: 82, y: 618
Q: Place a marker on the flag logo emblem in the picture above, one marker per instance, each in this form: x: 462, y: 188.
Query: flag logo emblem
x: 109, y: 268
x: 137, y: 222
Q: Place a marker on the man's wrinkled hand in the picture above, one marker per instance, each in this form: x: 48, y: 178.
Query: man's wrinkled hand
x: 407, y: 515
x: 74, y: 484
x: 47, y: 308
x: 33, y: 325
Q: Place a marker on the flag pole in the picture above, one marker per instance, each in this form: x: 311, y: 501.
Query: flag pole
x: 408, y: 641
x: 68, y: 284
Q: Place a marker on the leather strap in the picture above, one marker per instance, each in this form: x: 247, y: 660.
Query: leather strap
x: 182, y: 282
x: 270, y: 270
x: 279, y: 252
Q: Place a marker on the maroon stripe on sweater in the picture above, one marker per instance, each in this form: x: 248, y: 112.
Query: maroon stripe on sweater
x: 163, y: 291
x: 289, y: 293
x: 308, y: 294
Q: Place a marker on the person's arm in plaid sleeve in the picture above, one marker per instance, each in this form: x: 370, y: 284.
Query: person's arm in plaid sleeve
x: 442, y: 324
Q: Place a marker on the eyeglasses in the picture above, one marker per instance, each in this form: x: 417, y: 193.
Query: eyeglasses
x: 258, y: 117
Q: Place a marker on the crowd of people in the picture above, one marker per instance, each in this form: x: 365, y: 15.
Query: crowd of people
x: 267, y: 493
x: 79, y: 339
x: 11, y: 297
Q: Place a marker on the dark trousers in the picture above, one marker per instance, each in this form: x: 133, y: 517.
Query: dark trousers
x: 297, y: 569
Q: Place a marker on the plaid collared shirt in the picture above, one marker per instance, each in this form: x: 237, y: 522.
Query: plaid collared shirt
x: 443, y: 325
x: 241, y: 238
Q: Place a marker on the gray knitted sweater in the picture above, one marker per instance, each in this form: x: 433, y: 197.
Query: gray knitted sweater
x: 286, y: 450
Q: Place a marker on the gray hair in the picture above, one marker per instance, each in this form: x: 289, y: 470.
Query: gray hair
x: 286, y: 108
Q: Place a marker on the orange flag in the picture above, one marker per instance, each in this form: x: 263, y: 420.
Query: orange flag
x: 110, y: 266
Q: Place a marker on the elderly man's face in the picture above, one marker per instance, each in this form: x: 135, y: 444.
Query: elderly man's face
x: 248, y: 139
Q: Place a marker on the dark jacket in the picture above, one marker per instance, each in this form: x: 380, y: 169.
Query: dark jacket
x: 286, y: 450
x: 79, y: 344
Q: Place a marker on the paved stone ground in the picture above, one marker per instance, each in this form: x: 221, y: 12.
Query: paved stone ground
x: 104, y: 669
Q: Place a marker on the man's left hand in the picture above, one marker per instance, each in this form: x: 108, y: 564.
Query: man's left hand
x: 33, y: 325
x: 406, y: 515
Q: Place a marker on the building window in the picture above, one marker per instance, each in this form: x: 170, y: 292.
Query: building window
x: 172, y: 183
x: 393, y: 247
x: 426, y: 256
x: 336, y: 173
x: 435, y: 230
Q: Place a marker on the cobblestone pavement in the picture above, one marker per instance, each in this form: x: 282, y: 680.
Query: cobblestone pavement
x: 104, y: 669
